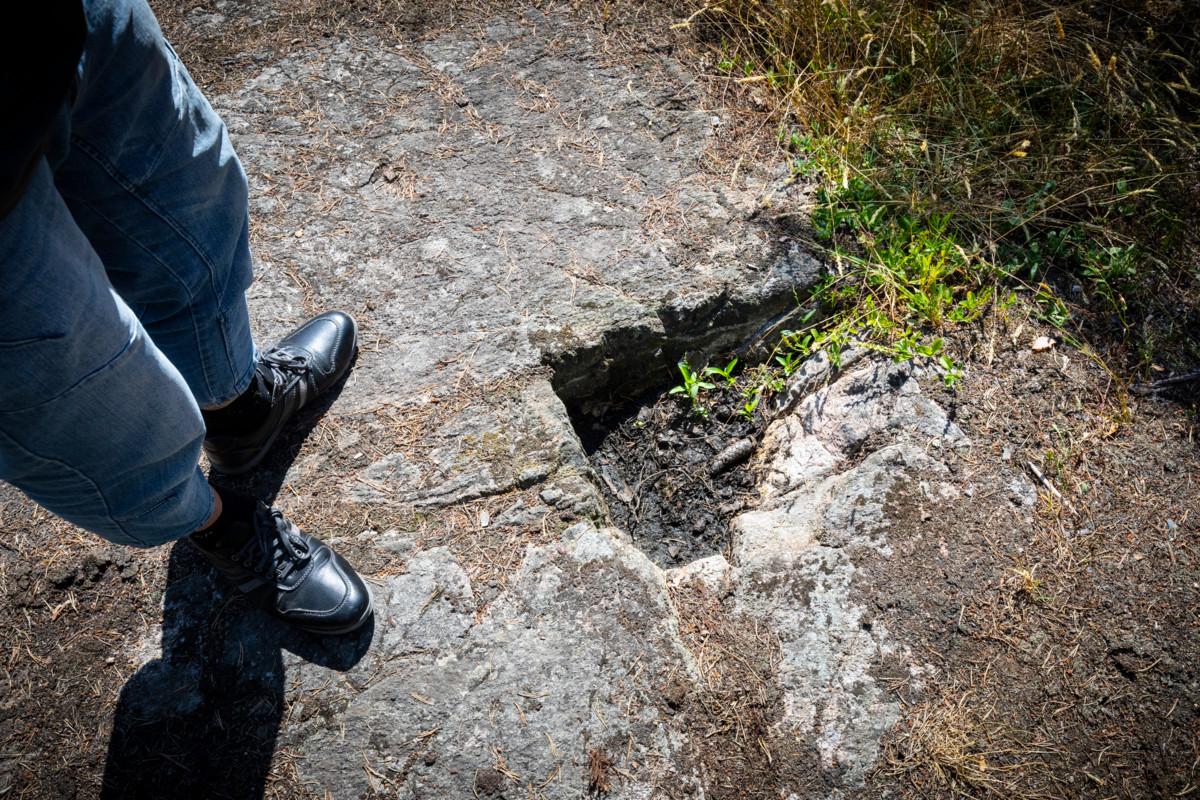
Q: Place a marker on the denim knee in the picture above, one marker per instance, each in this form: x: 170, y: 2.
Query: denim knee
x: 96, y: 424
x: 151, y: 178
x: 116, y: 452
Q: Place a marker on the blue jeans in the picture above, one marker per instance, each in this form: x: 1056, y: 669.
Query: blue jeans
x: 123, y: 272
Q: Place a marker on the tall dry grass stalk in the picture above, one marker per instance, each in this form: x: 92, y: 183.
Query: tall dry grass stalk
x: 1069, y: 111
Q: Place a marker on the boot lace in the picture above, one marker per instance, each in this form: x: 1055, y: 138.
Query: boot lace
x: 276, y: 548
x: 279, y: 370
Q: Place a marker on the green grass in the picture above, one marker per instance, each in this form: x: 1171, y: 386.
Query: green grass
x: 965, y: 152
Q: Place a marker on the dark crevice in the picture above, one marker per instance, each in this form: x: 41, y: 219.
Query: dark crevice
x: 638, y: 357
x: 668, y: 476
x: 671, y: 478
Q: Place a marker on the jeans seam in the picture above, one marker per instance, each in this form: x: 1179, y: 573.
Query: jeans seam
x: 84, y: 476
x: 169, y: 497
x: 74, y: 386
x: 242, y: 384
x: 175, y: 494
x: 128, y: 185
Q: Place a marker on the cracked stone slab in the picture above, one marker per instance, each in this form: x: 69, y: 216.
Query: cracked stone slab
x: 564, y: 662
x: 494, y: 199
x: 581, y: 650
x: 493, y: 236
x: 847, y: 450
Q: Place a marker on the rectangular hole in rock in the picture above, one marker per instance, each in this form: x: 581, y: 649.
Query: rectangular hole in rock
x: 672, y: 479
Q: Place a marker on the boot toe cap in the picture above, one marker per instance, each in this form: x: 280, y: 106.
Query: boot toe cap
x: 330, y: 339
x: 333, y: 599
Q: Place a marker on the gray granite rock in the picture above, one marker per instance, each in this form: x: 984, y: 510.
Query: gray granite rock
x: 520, y: 223
x: 827, y: 468
x: 562, y: 663
x: 497, y: 198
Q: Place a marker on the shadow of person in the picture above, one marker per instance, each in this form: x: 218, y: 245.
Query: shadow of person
x: 201, y: 720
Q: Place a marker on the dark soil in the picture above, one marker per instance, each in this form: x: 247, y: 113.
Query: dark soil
x: 673, y: 478
x: 1066, y: 653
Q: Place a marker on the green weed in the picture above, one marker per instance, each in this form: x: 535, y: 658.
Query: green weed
x: 725, y: 373
x: 748, y: 408
x: 691, y: 387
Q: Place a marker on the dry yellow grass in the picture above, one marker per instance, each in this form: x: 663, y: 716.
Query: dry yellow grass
x: 958, y: 743
x: 1040, y: 138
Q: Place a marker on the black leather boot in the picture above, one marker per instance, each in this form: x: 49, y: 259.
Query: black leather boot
x: 305, y: 363
x: 295, y: 577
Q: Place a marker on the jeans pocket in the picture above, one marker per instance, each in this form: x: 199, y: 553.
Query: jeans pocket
x: 41, y: 369
x: 173, y: 497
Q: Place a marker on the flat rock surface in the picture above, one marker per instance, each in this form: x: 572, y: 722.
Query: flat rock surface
x: 526, y: 217
x: 498, y: 197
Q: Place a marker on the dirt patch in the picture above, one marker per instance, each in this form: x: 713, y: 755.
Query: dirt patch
x: 67, y: 607
x: 1065, y: 650
x: 737, y: 745
x: 672, y: 478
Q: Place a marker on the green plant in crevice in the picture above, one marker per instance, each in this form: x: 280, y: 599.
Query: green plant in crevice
x: 691, y: 387
x: 971, y: 306
x: 909, y: 346
x: 1110, y: 271
x: 789, y: 361
x: 1051, y: 308
x: 725, y: 373
x: 751, y: 405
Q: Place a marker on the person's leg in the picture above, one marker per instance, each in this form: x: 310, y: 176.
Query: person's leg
x: 96, y: 424
x: 105, y: 438
x: 99, y: 427
x: 151, y: 178
x: 150, y: 175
